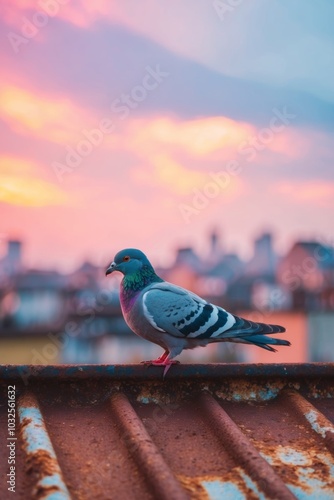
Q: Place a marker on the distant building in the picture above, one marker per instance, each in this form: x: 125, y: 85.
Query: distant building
x: 307, y: 271
x: 35, y: 299
x: 209, y: 276
x: 215, y: 280
x: 11, y: 263
x: 264, y: 260
x: 239, y: 293
x: 86, y: 276
x: 187, y: 256
x: 253, y: 285
x: 215, y: 249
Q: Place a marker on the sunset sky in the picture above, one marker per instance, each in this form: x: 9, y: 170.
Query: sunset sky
x: 147, y: 124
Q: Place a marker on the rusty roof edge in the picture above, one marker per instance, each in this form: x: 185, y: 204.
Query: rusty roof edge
x: 182, y: 371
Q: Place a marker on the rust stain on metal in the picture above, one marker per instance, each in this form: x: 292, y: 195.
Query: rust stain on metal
x: 26, y: 421
x: 234, y: 484
x: 245, y: 390
x: 316, y: 392
x: 41, y: 460
x: 42, y: 492
x: 41, y: 463
x: 194, y: 487
x: 246, y: 454
x: 318, y: 422
x: 305, y: 469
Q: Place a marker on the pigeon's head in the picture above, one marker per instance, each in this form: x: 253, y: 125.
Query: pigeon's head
x: 128, y: 261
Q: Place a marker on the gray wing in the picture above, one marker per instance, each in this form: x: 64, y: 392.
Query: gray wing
x: 180, y: 313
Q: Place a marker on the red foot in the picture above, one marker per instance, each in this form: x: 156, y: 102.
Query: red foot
x: 158, y: 361
x: 162, y: 361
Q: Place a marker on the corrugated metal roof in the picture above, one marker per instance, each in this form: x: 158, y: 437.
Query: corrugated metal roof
x: 205, y: 432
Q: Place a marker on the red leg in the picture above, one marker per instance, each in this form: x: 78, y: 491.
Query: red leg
x: 163, y: 360
x: 158, y: 361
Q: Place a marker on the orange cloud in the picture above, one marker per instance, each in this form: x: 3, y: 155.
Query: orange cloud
x: 19, y: 185
x: 53, y: 119
x: 170, y: 174
x: 15, y: 166
x: 209, y: 139
x: 199, y: 137
x: 167, y: 174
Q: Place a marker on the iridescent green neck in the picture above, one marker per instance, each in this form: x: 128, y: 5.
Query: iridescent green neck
x: 133, y: 283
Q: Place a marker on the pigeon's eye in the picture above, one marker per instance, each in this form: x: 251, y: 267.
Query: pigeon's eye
x: 126, y: 258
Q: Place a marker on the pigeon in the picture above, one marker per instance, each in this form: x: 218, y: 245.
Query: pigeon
x: 175, y: 318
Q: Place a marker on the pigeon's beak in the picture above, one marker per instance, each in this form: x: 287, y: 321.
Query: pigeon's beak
x: 111, y: 268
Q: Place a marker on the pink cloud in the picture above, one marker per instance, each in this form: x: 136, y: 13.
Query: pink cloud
x: 317, y: 192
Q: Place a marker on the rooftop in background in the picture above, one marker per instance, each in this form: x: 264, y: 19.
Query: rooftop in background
x: 206, y: 431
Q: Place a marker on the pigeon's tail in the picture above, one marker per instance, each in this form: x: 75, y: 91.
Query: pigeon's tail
x: 248, y: 332
x: 261, y: 341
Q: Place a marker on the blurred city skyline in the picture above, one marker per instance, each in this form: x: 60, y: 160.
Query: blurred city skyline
x: 49, y: 317
x: 202, y: 252
x: 128, y: 124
